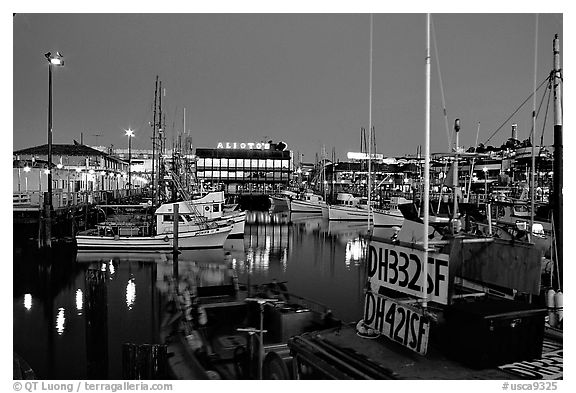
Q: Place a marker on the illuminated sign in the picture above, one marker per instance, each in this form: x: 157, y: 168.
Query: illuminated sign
x: 243, y: 145
x: 401, y: 269
x: 363, y: 156
x: 399, y: 322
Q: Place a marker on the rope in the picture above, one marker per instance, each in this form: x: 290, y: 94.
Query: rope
x: 546, y: 114
x: 516, y: 111
x: 441, y: 87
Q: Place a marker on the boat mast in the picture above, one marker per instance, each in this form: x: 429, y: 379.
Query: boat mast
x: 533, y: 136
x: 160, y: 149
x: 154, y: 184
x: 558, y: 153
x: 426, y: 169
x: 370, y: 131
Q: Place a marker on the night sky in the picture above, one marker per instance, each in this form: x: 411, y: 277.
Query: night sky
x: 299, y: 78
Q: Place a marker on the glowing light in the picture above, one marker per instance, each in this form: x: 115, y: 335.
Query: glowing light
x: 60, y: 321
x: 79, y: 299
x: 59, y: 166
x: 46, y: 171
x: 26, y: 169
x: 111, y: 267
x: 91, y: 171
x: 78, y: 170
x: 130, y: 294
x: 28, y: 301
x: 129, y: 132
x: 103, y: 267
x: 354, y: 249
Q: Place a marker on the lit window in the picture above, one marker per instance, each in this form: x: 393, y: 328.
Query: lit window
x: 208, y: 162
x: 224, y: 162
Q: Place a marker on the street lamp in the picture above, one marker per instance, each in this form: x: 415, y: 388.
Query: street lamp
x: 130, y: 135
x: 53, y: 60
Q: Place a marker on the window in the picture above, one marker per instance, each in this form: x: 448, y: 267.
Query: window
x: 216, y: 208
x: 254, y: 163
x: 216, y: 162
x: 231, y: 163
x: 208, y: 162
x: 269, y: 164
x: 285, y: 163
x: 224, y: 162
x: 201, y: 163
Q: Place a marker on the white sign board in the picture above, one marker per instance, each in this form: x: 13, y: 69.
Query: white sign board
x: 401, y: 269
x: 399, y: 322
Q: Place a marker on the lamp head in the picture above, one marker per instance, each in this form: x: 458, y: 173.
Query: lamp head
x: 57, y: 59
x: 129, y: 132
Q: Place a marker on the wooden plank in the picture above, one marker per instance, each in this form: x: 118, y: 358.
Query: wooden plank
x: 507, y: 264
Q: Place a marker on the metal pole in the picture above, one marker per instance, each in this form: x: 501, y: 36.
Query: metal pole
x: 49, y: 201
x: 455, y: 181
x: 426, y: 169
x: 558, y: 157
x: 370, y: 132
x: 129, y: 164
x: 175, y: 251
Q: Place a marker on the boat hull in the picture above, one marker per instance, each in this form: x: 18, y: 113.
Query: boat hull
x: 298, y: 206
x: 238, y: 219
x: 347, y: 213
x: 387, y: 218
x: 207, y: 238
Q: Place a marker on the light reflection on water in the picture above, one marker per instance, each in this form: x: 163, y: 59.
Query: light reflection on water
x: 117, y: 296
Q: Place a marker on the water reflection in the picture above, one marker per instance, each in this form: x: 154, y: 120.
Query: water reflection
x: 130, y: 293
x: 60, y: 321
x: 28, y: 301
x: 317, y: 259
x: 79, y: 301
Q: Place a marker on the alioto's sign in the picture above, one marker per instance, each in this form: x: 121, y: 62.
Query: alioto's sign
x: 401, y: 269
x: 243, y: 145
x: 399, y: 322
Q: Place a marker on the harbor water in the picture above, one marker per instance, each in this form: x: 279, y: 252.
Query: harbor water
x: 74, y: 312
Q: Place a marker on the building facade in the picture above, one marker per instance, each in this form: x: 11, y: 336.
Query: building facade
x: 245, y: 167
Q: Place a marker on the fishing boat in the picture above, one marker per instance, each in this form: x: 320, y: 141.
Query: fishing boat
x: 347, y: 208
x: 138, y: 229
x: 219, y: 329
x: 212, y: 206
x: 423, y: 321
x: 308, y: 202
x: 392, y: 215
x: 281, y: 200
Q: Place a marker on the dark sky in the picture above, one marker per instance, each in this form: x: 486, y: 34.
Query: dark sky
x: 300, y: 78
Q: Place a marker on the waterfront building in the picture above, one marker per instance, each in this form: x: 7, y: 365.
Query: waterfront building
x: 76, y: 169
x: 245, y: 167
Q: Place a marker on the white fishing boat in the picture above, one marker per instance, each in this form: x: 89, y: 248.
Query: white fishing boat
x: 212, y: 206
x: 308, y: 202
x: 136, y: 231
x: 391, y: 216
x: 281, y: 200
x: 347, y: 208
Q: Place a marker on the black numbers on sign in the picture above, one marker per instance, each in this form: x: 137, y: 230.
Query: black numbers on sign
x: 403, y: 268
x: 400, y: 325
x: 393, y: 267
x: 414, y: 282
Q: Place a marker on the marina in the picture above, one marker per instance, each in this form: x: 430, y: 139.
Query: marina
x: 244, y: 261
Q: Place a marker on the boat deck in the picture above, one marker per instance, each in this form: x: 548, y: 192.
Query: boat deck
x: 403, y: 363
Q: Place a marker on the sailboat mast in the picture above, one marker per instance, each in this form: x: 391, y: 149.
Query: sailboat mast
x: 426, y: 168
x: 154, y: 183
x: 558, y: 157
x: 370, y: 131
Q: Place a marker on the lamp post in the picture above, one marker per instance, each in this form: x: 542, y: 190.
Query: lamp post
x: 130, y: 135
x: 53, y: 60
